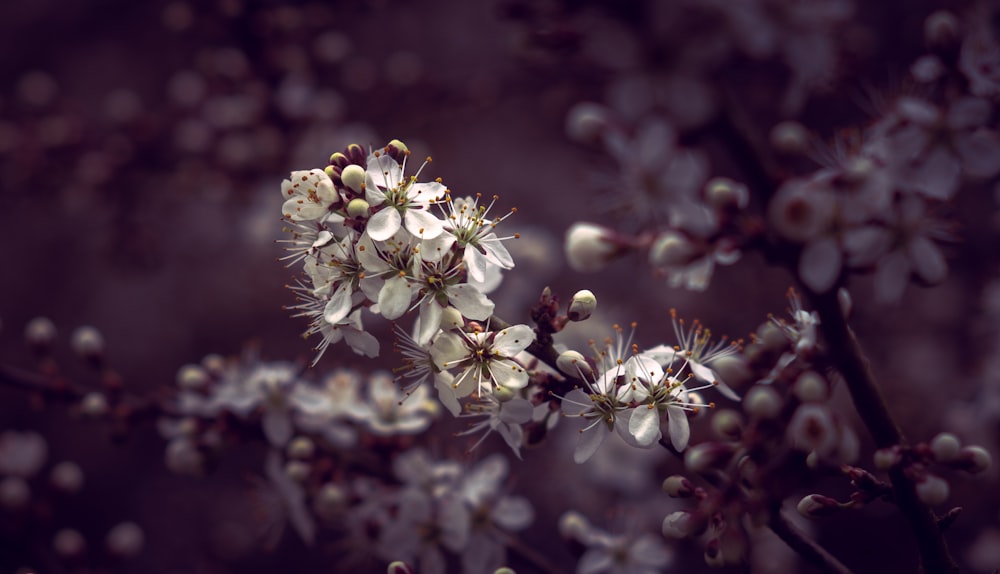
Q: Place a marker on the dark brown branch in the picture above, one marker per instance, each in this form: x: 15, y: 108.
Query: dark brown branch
x: 805, y: 546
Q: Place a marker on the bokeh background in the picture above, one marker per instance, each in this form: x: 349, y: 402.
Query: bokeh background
x: 142, y: 146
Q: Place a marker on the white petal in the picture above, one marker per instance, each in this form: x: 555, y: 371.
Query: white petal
x: 589, y: 442
x: 644, y: 425
x: 643, y: 368
x: 339, y: 305
x: 496, y: 251
x: 432, y: 249
x: 446, y: 393
x: 422, y: 223
x: 476, y: 263
x: 516, y: 411
x: 576, y: 402
x: 508, y: 374
x: 513, y: 513
x: 430, y: 320
x: 394, y: 299
x: 470, y: 302
x: 513, y: 340
x: 927, y: 259
x: 819, y: 264
x: 677, y: 426
x: 384, y: 224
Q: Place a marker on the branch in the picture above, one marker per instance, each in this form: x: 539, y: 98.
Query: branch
x: 846, y: 353
x: 805, y: 546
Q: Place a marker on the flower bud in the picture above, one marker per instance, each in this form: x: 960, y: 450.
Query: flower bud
x: 504, y: 570
x: 677, y: 486
x: 40, y: 333
x: 945, y: 447
x: 672, y: 249
x: 353, y: 177
x: 886, y: 458
x: 398, y: 148
x: 400, y: 567
x: 330, y: 500
x: 68, y: 543
x: 503, y: 394
x: 812, y: 429
x: 87, y: 342
x: 941, y: 28
x: 727, y: 424
x: 573, y: 364
x: 975, y: 459
x: 582, y: 306
x: 214, y: 364
x: 183, y: 457
x: 733, y: 371
x: 14, y: 493
x: 799, y: 212
x: 67, y: 477
x: 573, y: 526
x: 297, y: 470
x: 933, y: 490
x: 94, y: 404
x: 357, y: 208
x: 586, y: 122
x: 706, y: 455
x: 790, y: 137
x: 762, y: 401
x: 816, y: 505
x: 810, y: 387
x: 339, y: 159
x: 451, y: 318
x: 725, y: 193
x: 589, y: 247
x: 301, y: 447
x: 677, y: 524
x: 192, y: 377
x: 125, y: 539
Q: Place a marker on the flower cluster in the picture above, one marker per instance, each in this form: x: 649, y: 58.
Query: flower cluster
x: 372, y: 238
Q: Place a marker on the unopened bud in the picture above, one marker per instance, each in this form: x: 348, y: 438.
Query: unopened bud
x: 733, y: 371
x: 301, y: 447
x: 503, y: 394
x: 297, y: 470
x: 329, y: 501
x: 67, y: 477
x: 400, y: 567
x: 504, y: 570
x: 126, y: 539
x: 933, y: 490
x: 87, y: 342
x: 94, y: 404
x: 816, y: 505
x: 339, y: 159
x: 706, y: 455
x: 941, y: 28
x: 677, y: 486
x: 677, y: 525
x: 353, y: 177
x: 886, y: 458
x: 790, y: 137
x: 725, y: 193
x: 762, y: 401
x: 810, y: 387
x: 451, y: 318
x: 812, y: 429
x: 357, y: 208
x: 975, y: 459
x: 68, y: 543
x: 573, y: 364
x: 589, y: 247
x: 586, y: 122
x: 14, y: 493
x: 40, y: 333
x: 183, y: 457
x: 582, y: 306
x: 192, y: 377
x: 573, y: 526
x: 727, y: 424
x: 945, y: 447
x: 672, y: 249
x: 398, y: 147
x: 799, y: 212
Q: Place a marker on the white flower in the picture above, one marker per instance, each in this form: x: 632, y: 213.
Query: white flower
x: 622, y: 553
x: 503, y: 416
x: 403, y: 201
x: 389, y: 412
x: 309, y: 195
x: 589, y: 247
x: 421, y: 527
x: 486, y: 358
x: 695, y: 346
x: 467, y: 225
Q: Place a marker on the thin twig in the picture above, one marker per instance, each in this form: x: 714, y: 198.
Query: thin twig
x: 805, y: 546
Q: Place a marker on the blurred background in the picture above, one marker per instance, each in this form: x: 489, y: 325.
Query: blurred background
x: 142, y: 148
